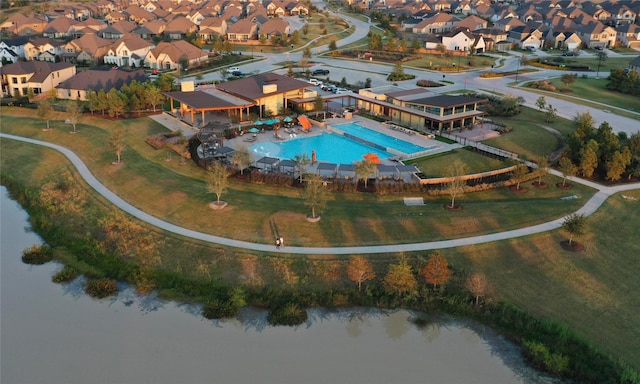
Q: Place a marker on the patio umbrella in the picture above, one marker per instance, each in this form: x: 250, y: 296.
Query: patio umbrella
x: 254, y: 130
x: 258, y: 122
x: 287, y: 119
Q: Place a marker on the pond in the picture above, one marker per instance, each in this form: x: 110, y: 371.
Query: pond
x: 56, y: 334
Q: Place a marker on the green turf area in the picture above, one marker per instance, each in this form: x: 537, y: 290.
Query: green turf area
x: 529, y: 136
x: 436, y: 166
x: 595, y: 90
x: 594, y: 292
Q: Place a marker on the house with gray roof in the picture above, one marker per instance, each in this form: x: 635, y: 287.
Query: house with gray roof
x: 77, y: 87
x: 40, y: 76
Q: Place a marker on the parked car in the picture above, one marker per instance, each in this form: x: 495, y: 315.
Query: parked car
x: 233, y: 69
x: 327, y: 87
x: 237, y: 73
x: 318, y: 72
x: 315, y: 81
x: 568, y: 53
x: 338, y: 91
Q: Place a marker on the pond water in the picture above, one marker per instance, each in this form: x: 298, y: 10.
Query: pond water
x: 55, y: 334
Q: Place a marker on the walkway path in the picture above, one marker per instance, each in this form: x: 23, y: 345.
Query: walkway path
x: 590, y: 207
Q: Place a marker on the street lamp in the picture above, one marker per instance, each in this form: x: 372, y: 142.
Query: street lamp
x: 517, y: 70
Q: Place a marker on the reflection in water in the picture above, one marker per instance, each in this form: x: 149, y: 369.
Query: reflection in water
x: 56, y: 334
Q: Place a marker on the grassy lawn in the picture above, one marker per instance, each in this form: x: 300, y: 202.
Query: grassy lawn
x: 528, y: 137
x: 178, y: 193
x: 594, y: 292
x: 605, y: 65
x: 436, y: 165
x: 594, y: 89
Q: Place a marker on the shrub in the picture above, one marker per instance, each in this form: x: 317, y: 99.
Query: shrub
x: 37, y: 255
x: 218, y: 309
x: 101, y: 288
x: 289, y: 314
x: 65, y: 275
x: 427, y: 83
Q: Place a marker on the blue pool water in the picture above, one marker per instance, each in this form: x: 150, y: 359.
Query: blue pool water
x: 329, y: 147
x: 380, y: 139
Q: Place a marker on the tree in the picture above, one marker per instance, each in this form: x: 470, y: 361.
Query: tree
x: 550, y: 113
x: 442, y: 49
x: 332, y: 45
x: 398, y: 72
x: 478, y: 285
x: 117, y: 103
x: 608, y: 141
x: 217, y: 180
x: 306, y: 53
x: 618, y: 164
x: 436, y: 271
x: 543, y: 168
x: 363, y: 170
x: 318, y: 104
x: 589, y: 158
x: 456, y: 183
x: 567, y: 168
x: 360, y: 270
x: 400, y: 279
x: 541, y: 103
x: 103, y: 101
x: 519, y: 173
x: 301, y: 160
x: 153, y: 96
x: 241, y: 158
x: 586, y: 125
x: 45, y: 110
x: 74, y: 113
x: 602, y: 56
x: 117, y: 142
x: 568, y: 79
x: 574, y: 224
x: 315, y: 194
x: 92, y: 101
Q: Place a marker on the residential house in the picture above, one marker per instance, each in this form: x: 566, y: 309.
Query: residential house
x: 463, y: 7
x: 78, y: 86
x: 275, y: 27
x: 562, y: 39
x: 472, y: 23
x: 43, y: 49
x: 437, y: 24
x: 634, y: 65
x: 508, y: 23
x: 171, y: 55
x: 14, y: 47
x: 460, y: 39
x: 118, y: 29
x: 130, y: 50
x: 89, y: 49
x: 530, y: 14
x: 212, y: 27
x: 114, y: 17
x: 195, y: 17
x: 32, y: 25
x: 596, y: 35
x: 150, y: 30
x: 628, y: 35
x: 89, y: 25
x: 19, y: 77
x: 243, y: 30
x: 138, y: 15
x: 276, y: 8
x: 179, y: 28
x: 296, y: 9
x: 59, y: 28
x: 621, y: 14
x: 481, y: 44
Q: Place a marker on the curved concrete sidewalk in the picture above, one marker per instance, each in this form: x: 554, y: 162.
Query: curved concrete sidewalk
x: 590, y: 207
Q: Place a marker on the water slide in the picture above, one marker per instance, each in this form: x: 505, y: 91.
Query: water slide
x: 304, y: 121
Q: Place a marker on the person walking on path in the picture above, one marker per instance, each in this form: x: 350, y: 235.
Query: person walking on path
x: 277, y: 243
x: 281, y: 241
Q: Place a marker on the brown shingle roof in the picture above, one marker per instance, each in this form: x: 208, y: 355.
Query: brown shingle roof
x: 250, y: 88
x: 96, y: 80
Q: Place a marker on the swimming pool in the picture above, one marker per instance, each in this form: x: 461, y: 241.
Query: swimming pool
x: 380, y: 140
x: 329, y: 147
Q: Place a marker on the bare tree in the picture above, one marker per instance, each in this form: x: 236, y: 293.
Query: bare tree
x: 301, y: 160
x: 217, y: 180
x: 360, y: 270
x: 315, y: 194
x: 241, y: 158
x: 456, y: 183
x: 436, y: 271
x: 478, y: 285
x: 74, y: 113
x: 45, y: 111
x: 364, y: 169
x: 117, y: 142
